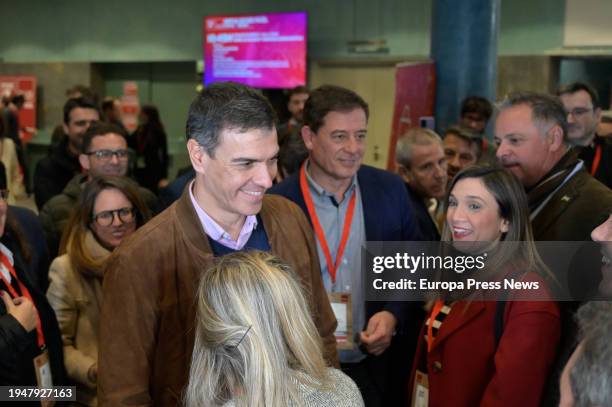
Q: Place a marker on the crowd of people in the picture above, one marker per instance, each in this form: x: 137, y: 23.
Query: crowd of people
x: 249, y: 288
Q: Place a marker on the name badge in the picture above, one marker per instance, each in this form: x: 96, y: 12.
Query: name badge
x: 43, y: 375
x: 420, y: 390
x: 343, y: 311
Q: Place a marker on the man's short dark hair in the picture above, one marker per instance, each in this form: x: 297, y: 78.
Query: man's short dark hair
x: 545, y: 109
x: 477, y: 104
x: 330, y: 98
x: 468, y: 135
x: 82, y: 102
x: 298, y: 90
x: 227, y: 105
x: 82, y: 89
x: 18, y: 100
x: 108, y: 103
x: 577, y: 87
x: 99, y: 129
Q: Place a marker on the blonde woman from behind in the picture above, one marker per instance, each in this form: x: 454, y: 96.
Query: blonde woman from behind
x: 256, y: 344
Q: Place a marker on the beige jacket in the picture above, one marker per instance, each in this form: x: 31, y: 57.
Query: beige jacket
x: 76, y: 297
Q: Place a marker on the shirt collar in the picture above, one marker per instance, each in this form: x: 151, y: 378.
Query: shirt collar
x: 212, y: 228
x: 320, y: 190
x: 9, y: 255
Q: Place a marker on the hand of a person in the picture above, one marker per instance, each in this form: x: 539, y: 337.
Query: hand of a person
x: 163, y: 183
x: 32, y: 130
x: 92, y: 373
x: 378, y: 334
x: 22, y: 310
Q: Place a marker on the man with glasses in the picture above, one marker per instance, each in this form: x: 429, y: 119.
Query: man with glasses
x: 580, y: 102
x: 103, y: 153
x: 62, y: 163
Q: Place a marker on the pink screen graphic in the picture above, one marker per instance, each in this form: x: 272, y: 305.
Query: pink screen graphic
x: 260, y: 50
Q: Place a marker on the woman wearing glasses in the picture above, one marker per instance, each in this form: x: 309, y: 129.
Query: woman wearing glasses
x: 109, y: 210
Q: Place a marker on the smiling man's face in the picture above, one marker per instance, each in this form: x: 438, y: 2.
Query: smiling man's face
x: 239, y: 172
x: 338, y: 146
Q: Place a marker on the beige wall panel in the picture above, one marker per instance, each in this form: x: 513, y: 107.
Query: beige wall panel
x: 526, y: 72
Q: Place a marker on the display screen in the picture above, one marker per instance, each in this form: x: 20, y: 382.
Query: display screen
x: 259, y: 50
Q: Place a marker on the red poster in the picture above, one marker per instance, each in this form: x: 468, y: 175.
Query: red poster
x: 415, y: 88
x: 25, y: 85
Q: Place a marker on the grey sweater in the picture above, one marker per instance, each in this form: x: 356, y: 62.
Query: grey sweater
x: 344, y: 393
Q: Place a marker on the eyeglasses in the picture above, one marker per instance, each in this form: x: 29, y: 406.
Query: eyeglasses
x: 579, y: 111
x: 4, y: 194
x: 106, y: 155
x: 106, y: 218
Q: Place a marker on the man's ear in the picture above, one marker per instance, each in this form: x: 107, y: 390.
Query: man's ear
x: 403, y: 172
x: 597, y: 113
x: 84, y: 161
x: 307, y: 135
x: 65, y: 127
x: 197, y: 155
x: 555, y: 138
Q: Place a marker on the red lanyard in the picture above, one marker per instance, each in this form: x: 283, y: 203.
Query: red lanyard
x: 596, y: 160
x: 26, y: 293
x: 331, y: 266
x: 434, y: 313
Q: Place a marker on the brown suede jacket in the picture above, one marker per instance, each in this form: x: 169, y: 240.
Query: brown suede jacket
x: 147, y: 326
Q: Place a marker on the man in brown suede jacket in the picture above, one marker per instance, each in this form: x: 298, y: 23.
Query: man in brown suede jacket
x: 148, y: 315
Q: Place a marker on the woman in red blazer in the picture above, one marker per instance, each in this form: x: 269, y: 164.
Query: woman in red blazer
x: 462, y: 359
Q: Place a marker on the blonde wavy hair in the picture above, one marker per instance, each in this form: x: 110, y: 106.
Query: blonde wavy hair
x: 255, y: 339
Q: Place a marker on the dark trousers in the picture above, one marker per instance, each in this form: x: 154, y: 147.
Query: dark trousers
x: 369, y: 379
x: 383, y: 380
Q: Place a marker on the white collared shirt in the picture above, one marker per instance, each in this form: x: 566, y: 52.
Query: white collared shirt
x: 216, y: 232
x: 9, y: 255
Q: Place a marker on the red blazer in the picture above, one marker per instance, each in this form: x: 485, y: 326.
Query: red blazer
x: 466, y: 368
